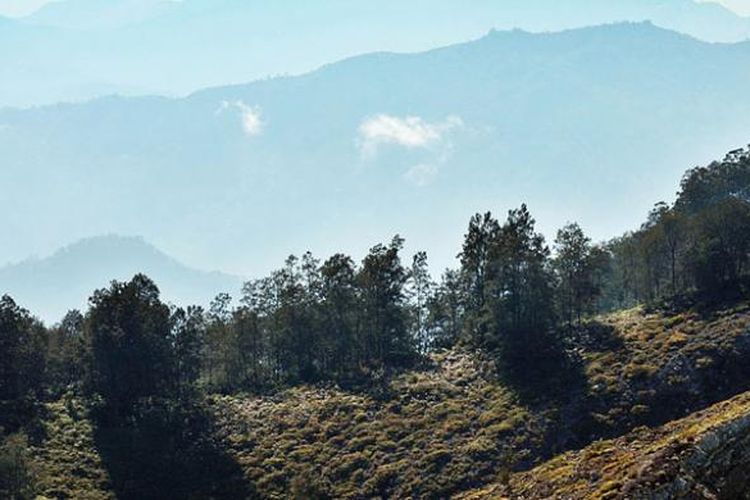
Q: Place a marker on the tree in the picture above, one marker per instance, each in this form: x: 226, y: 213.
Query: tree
x: 475, y: 260
x: 381, y: 282
x: 341, y: 349
x: 673, y: 229
x: 702, y: 187
x: 420, y: 287
x: 189, y: 330
x: 445, y: 310
x: 128, y: 331
x: 23, y: 363
x: 510, y: 293
x: 719, y: 257
x: 16, y: 468
x: 219, y: 349
x: 576, y: 265
x: 65, y: 353
x: 520, y: 285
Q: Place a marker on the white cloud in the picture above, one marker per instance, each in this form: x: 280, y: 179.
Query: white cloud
x: 422, y: 175
x: 251, y: 116
x: 251, y: 119
x: 410, y: 132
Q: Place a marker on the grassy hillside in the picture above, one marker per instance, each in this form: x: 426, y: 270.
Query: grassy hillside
x: 453, y: 426
x: 704, y: 455
x: 68, y: 462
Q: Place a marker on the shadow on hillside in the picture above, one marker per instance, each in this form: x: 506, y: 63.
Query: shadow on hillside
x: 593, y: 336
x: 169, y: 451
x: 707, y: 303
x: 549, y: 375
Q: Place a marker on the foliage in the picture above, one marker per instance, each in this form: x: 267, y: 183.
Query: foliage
x: 16, y: 474
x: 128, y: 332
x: 700, y: 244
x: 22, y: 363
x: 372, y: 380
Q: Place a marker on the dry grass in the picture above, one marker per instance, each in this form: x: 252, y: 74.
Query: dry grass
x: 643, y: 460
x: 455, y: 427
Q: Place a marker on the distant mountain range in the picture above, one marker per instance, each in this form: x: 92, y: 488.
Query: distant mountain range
x: 593, y: 125
x: 78, y: 49
x: 51, y: 286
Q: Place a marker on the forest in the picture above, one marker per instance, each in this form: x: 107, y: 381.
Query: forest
x: 144, y: 368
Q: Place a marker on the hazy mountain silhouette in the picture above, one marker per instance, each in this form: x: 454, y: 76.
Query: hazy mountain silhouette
x: 77, y: 49
x: 590, y: 125
x: 51, y: 286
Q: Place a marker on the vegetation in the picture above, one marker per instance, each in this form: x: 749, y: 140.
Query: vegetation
x: 336, y: 379
x: 443, y: 428
x: 701, y: 456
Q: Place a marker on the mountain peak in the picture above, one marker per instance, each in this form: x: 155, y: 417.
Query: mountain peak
x: 108, y: 243
x: 50, y: 286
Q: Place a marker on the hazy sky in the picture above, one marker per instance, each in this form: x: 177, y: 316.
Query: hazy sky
x: 23, y: 7
x: 20, y: 7
x: 739, y: 6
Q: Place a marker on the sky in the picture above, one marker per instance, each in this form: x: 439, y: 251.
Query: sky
x: 16, y: 8
x: 741, y: 7
x: 388, y: 139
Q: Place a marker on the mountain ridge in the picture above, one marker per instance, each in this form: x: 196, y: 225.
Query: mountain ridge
x: 231, y: 38
x: 63, y: 280
x: 325, y: 157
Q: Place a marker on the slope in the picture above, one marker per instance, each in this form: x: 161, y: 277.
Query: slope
x: 704, y: 455
x: 452, y: 427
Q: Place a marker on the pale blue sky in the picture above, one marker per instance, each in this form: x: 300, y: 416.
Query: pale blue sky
x: 20, y: 7
x: 739, y: 6
x: 16, y: 8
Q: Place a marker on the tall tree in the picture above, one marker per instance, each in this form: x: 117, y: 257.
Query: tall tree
x: 576, y: 267
x: 341, y: 315
x: 420, y: 288
x: 66, y: 353
x: 128, y: 331
x: 446, y: 310
x: 22, y: 362
x: 381, y: 282
x: 475, y: 258
x: 189, y: 331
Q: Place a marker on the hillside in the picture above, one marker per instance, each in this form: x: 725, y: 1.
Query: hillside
x: 451, y: 427
x: 704, y: 455
x: 53, y: 285
x: 345, y: 156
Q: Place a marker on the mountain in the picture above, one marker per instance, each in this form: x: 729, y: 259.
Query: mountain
x: 53, y: 285
x: 591, y: 125
x: 78, y: 49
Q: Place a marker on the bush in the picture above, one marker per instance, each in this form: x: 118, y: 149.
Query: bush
x: 15, y: 468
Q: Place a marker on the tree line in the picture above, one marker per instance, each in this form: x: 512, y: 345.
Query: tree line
x: 348, y: 323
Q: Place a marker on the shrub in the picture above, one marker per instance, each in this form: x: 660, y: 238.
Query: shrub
x: 15, y: 468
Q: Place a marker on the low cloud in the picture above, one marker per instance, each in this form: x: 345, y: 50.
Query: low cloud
x: 411, y: 132
x: 251, y: 116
